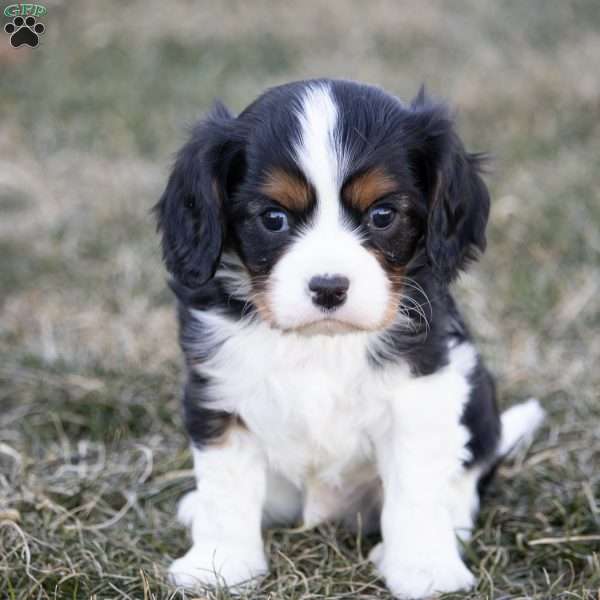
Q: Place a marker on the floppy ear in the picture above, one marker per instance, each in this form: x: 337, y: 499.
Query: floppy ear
x: 458, y: 199
x: 190, y: 211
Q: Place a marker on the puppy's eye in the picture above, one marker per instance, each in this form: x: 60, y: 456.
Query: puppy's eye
x: 381, y: 217
x: 275, y: 220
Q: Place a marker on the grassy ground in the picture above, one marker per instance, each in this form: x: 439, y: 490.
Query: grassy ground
x: 92, y: 452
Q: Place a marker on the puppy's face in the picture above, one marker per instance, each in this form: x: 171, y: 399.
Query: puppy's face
x: 326, y: 230
x: 328, y: 193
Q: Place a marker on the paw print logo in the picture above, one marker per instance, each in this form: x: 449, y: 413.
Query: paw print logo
x: 24, y: 31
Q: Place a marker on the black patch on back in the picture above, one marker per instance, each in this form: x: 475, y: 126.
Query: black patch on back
x: 481, y: 416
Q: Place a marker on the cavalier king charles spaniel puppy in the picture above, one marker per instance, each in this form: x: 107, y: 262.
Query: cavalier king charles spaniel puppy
x: 311, y: 243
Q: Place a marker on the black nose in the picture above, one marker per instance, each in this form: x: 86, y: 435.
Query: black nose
x: 329, y: 291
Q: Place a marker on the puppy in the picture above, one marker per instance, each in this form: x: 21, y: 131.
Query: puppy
x: 330, y: 376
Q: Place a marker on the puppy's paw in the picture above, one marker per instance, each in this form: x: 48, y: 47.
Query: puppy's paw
x: 410, y: 580
x: 186, y: 509
x: 210, y: 565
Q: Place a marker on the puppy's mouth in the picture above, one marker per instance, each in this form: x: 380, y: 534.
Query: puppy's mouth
x: 327, y: 326
x: 328, y: 322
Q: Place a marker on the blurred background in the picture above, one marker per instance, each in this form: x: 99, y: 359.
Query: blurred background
x: 92, y: 451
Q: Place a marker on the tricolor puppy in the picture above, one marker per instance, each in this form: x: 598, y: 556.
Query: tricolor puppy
x: 330, y: 376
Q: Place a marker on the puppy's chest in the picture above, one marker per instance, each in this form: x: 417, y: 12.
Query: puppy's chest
x: 315, y: 403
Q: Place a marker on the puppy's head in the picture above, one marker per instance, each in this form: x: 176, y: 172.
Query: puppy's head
x: 334, y: 197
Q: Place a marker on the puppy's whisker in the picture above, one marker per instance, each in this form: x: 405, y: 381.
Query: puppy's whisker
x: 421, y: 317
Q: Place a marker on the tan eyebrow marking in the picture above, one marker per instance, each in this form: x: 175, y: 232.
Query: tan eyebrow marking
x: 368, y: 187
x: 290, y: 191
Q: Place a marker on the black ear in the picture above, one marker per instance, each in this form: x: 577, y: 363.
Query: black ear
x: 190, y: 211
x: 458, y: 199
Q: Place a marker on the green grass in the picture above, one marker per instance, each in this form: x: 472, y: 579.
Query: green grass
x: 93, y: 456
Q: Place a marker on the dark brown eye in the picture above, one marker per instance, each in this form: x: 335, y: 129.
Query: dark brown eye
x: 381, y: 217
x: 275, y: 220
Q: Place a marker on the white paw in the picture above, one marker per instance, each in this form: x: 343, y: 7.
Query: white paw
x: 210, y: 565
x: 409, y: 579
x: 187, y: 507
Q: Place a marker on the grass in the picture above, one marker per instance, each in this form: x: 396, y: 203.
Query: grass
x: 92, y: 452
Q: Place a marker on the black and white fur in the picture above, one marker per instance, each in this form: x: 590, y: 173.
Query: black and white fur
x: 378, y: 410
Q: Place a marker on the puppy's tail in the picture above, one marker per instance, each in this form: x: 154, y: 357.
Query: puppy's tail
x: 519, y: 424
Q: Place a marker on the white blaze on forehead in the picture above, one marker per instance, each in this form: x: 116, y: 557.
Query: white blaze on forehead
x: 329, y: 244
x: 319, y: 152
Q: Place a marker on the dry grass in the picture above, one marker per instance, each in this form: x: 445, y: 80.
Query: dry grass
x: 92, y: 451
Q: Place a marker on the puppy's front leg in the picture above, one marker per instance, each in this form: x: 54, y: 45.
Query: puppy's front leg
x: 418, y: 460
x: 225, y: 514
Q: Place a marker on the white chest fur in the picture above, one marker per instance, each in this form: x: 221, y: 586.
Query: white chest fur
x: 314, y: 402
